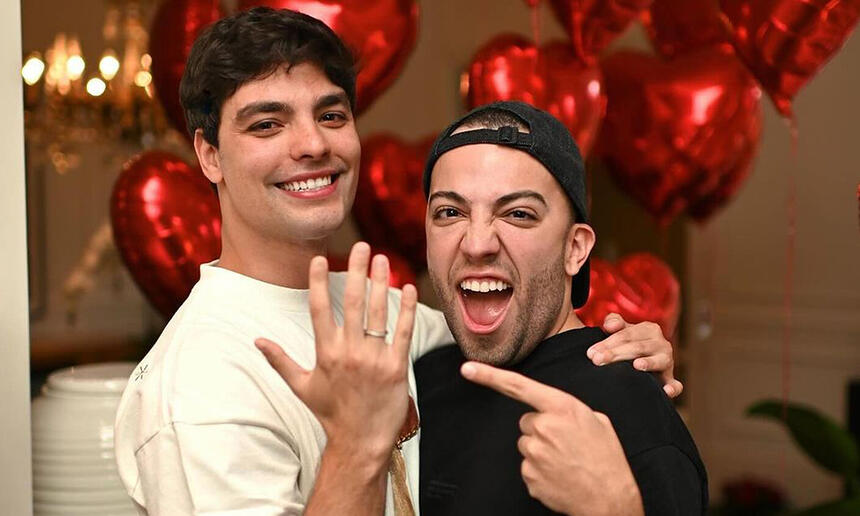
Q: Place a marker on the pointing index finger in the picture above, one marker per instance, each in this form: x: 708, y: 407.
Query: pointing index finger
x: 514, y: 385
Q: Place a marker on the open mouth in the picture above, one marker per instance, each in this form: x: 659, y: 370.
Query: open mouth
x: 314, y: 185
x: 484, y: 303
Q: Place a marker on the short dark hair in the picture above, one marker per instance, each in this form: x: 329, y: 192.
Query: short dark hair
x: 250, y: 45
x: 493, y: 119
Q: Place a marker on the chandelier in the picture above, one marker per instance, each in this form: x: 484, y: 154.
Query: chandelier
x: 69, y: 101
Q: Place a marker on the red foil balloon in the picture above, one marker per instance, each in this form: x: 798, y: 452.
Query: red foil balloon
x: 785, y: 42
x: 400, y: 272
x: 382, y: 34
x: 679, y: 135
x: 389, y: 203
x: 678, y: 26
x: 510, y: 67
x: 640, y: 287
x: 166, y: 222
x: 593, y: 24
x: 176, y: 25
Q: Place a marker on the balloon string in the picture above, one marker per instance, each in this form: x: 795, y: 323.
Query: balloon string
x: 664, y: 241
x: 791, y: 214
x: 534, y: 6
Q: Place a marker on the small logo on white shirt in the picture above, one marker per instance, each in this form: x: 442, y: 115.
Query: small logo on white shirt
x: 141, y: 370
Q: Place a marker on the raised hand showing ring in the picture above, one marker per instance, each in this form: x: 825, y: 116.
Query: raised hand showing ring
x: 358, y: 389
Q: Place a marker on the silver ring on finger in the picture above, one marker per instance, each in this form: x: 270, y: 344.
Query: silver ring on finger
x: 375, y: 333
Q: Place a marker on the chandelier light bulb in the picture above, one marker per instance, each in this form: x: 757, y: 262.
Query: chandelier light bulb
x: 32, y: 70
x: 96, y: 87
x: 109, y: 65
x: 75, y: 67
x: 143, y: 78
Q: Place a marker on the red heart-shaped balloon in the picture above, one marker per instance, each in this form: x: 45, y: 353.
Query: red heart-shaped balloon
x: 176, y: 25
x: 639, y: 287
x: 389, y: 203
x: 593, y: 24
x: 510, y: 67
x: 382, y: 34
x: 166, y: 222
x: 400, y: 272
x: 785, y: 42
x: 679, y: 135
x: 678, y: 26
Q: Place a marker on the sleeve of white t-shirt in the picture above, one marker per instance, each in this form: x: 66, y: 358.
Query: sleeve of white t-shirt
x: 430, y: 331
x: 223, y: 449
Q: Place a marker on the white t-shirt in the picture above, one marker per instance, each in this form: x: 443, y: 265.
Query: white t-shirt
x: 206, y: 426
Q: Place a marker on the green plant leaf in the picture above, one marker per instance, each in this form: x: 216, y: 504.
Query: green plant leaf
x: 820, y: 437
x: 846, y: 507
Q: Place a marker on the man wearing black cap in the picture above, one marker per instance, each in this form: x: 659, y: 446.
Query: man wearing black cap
x: 508, y: 242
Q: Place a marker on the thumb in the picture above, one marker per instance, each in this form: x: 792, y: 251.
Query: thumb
x: 292, y: 373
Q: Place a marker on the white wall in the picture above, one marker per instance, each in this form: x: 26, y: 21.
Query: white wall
x: 15, y: 476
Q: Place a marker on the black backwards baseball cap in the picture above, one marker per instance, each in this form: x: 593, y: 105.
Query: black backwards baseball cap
x: 548, y: 141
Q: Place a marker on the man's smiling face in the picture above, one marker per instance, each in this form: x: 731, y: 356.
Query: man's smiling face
x: 497, y: 225
x: 287, y: 158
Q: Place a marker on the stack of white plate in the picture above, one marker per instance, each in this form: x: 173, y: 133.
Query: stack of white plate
x: 74, y: 467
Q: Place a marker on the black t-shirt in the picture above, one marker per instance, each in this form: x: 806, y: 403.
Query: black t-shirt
x: 469, y: 459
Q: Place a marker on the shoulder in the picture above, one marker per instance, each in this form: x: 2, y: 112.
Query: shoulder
x: 641, y: 413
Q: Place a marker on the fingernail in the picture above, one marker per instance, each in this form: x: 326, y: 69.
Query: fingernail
x: 640, y: 365
x: 669, y: 390
x: 589, y: 352
x: 468, y: 370
x: 597, y: 358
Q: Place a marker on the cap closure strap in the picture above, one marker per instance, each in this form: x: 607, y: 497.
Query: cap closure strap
x: 507, y: 135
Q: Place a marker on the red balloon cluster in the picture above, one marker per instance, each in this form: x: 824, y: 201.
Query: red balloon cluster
x: 510, y: 67
x: 166, y: 222
x: 679, y: 135
x: 389, y: 202
x: 399, y: 271
x: 176, y: 25
x: 639, y: 286
x: 782, y: 42
x: 382, y: 34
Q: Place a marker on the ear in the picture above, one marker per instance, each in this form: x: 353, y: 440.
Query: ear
x: 577, y: 247
x: 207, y: 155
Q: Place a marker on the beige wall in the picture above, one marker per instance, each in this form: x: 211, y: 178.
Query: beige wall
x: 15, y: 478
x: 737, y: 269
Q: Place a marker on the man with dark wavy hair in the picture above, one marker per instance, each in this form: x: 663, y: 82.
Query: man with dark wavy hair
x: 206, y: 425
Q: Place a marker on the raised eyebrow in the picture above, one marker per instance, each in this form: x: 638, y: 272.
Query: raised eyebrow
x: 522, y: 194
x: 262, y: 106
x: 451, y: 196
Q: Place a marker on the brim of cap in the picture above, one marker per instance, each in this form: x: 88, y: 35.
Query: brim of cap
x: 580, y: 284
